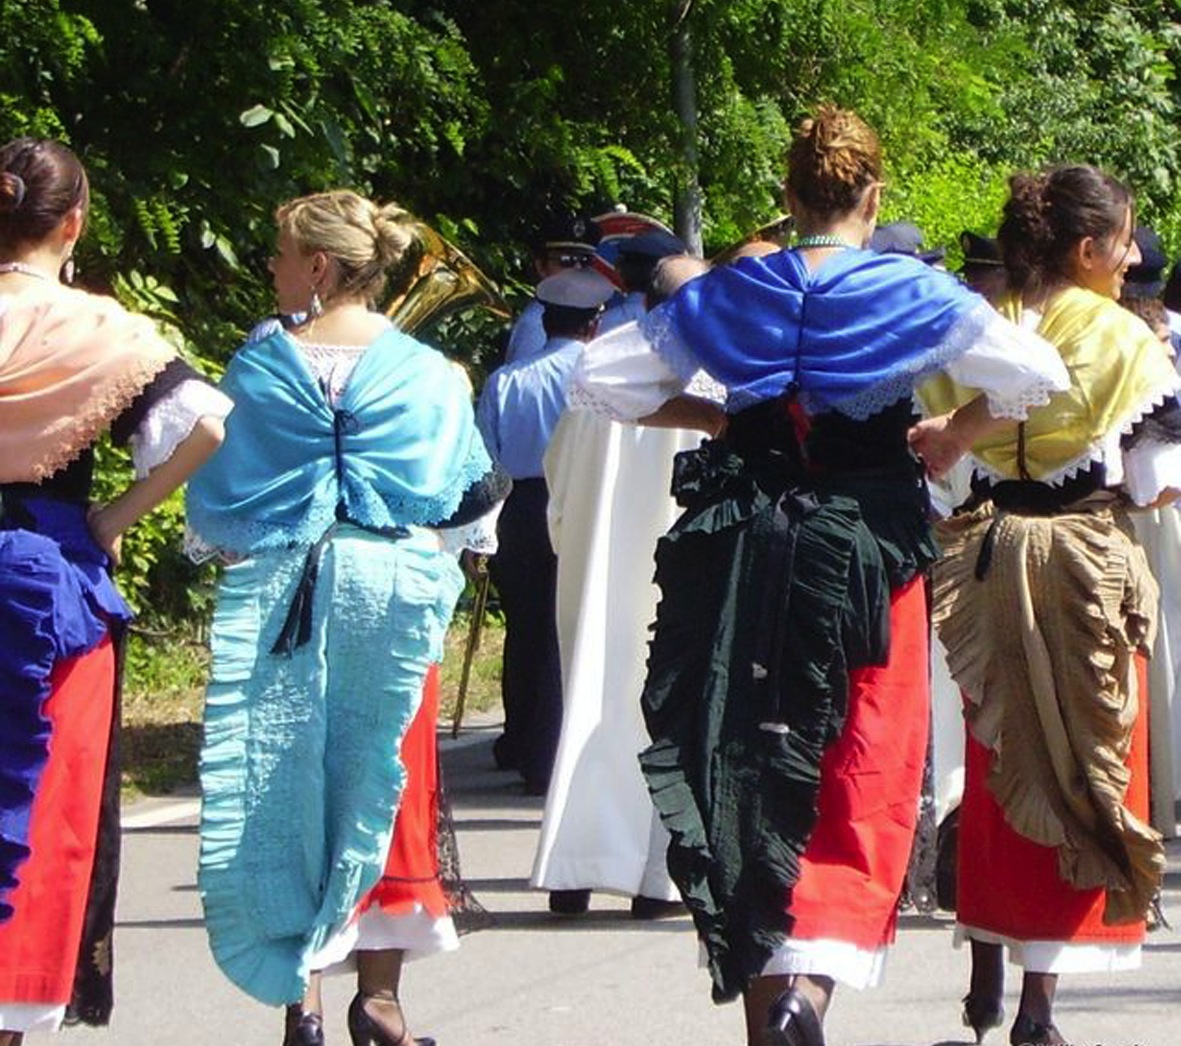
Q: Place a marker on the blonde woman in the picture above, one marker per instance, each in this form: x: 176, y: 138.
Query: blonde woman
x: 354, y: 444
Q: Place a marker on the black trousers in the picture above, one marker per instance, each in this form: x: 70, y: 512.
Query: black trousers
x: 525, y: 572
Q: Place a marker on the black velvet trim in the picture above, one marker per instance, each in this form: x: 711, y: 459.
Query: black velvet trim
x: 173, y: 374
x: 480, y: 497
x: 1163, y: 425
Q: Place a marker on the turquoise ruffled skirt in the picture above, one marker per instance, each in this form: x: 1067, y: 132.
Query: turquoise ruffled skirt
x: 300, y: 771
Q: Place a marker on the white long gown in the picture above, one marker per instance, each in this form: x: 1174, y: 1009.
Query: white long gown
x: 609, y: 504
x: 1159, y: 531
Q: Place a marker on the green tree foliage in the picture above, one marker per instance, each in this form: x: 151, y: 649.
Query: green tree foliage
x: 197, y: 119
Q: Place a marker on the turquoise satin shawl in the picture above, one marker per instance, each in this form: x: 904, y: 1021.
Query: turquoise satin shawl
x: 399, y: 448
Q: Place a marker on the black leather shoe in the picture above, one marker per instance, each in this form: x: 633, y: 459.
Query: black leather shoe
x: 793, y: 1021
x: 982, y: 1014
x: 1027, y: 1032
x: 303, y: 1029
x: 365, y: 1030
x: 654, y: 908
x: 502, y: 755
x: 569, y: 902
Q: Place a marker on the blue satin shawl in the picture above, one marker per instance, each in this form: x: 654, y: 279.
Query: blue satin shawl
x: 854, y: 336
x: 399, y: 448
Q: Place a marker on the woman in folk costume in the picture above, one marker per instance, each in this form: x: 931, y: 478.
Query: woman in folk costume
x: 73, y: 367
x: 787, y: 683
x: 1047, y: 608
x: 353, y: 442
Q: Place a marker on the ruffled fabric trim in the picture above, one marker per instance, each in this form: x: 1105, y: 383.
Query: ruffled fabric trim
x: 1043, y: 647
x: 740, y: 707
x: 59, y: 603
x: 294, y: 834
x: 657, y: 328
x: 31, y: 576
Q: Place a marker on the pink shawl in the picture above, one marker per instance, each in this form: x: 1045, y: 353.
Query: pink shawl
x: 70, y: 363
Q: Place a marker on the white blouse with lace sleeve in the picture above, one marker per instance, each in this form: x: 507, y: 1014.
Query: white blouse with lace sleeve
x: 620, y: 376
x: 169, y: 422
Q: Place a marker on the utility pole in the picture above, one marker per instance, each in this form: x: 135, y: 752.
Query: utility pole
x: 688, y: 203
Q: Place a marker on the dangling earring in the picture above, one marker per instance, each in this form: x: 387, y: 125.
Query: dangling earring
x: 67, y: 273
x: 315, y: 306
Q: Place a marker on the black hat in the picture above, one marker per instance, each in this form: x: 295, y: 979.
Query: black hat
x: 1147, y: 278
x: 980, y: 250
x: 903, y: 238
x: 568, y: 232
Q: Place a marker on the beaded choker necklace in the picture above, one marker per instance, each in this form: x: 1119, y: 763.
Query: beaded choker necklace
x: 821, y: 240
x: 23, y: 269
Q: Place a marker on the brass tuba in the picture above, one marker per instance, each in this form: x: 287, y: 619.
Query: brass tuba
x: 765, y: 239
x: 445, y: 282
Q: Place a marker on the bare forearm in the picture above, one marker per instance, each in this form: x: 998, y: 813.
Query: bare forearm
x: 972, y: 422
x: 145, y: 494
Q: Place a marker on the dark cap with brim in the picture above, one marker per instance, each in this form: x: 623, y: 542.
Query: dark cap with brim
x: 1146, y: 279
x: 903, y: 238
x: 980, y: 251
x: 655, y: 244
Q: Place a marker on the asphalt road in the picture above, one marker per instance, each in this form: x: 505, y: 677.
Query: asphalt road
x: 530, y: 979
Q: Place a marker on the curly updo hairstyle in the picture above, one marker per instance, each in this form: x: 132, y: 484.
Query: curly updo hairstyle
x: 370, y: 242
x: 40, y: 182
x: 1047, y: 214
x: 834, y: 158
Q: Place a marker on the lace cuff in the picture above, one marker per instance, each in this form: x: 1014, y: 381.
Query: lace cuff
x: 1015, y: 368
x: 170, y: 421
x: 620, y: 375
x: 479, y: 536
x: 1150, y: 469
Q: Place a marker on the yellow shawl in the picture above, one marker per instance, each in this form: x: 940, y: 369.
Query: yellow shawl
x: 70, y: 363
x: 1118, y: 369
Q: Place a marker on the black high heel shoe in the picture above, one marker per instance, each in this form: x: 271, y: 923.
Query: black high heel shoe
x: 1027, y: 1032
x: 303, y: 1029
x: 364, y: 1030
x: 982, y: 1014
x: 793, y: 1021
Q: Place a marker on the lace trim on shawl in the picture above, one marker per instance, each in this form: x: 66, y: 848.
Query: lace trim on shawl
x: 366, y: 507
x: 1024, y: 668
x: 1093, y: 453
x: 980, y: 324
x: 83, y: 434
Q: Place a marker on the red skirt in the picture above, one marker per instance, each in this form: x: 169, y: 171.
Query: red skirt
x: 853, y: 869
x: 411, y: 875
x: 39, y: 944
x: 1009, y: 886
